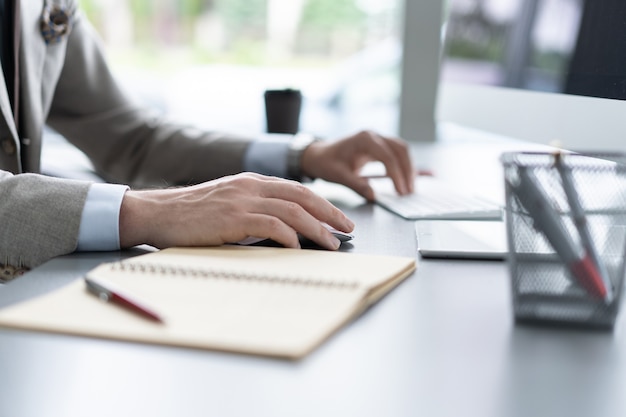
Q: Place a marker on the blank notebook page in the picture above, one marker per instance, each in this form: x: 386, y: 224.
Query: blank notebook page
x: 267, y: 301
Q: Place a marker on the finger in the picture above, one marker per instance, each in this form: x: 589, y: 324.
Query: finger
x: 270, y: 227
x: 357, y: 183
x: 402, y: 154
x: 318, y: 207
x: 298, y: 219
x: 378, y: 148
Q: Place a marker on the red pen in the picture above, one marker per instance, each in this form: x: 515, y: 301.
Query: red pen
x: 547, y: 220
x: 107, y: 291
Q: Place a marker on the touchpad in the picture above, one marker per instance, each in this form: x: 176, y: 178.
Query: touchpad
x: 461, y: 239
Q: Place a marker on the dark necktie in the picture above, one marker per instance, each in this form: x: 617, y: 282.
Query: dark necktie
x: 9, y: 49
x: 16, y: 60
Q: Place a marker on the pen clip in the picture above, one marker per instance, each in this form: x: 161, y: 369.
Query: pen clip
x: 97, y: 289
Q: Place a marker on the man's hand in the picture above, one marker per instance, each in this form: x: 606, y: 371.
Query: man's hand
x: 228, y: 210
x: 342, y: 160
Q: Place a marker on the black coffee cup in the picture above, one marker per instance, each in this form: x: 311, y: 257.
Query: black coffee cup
x: 282, y: 110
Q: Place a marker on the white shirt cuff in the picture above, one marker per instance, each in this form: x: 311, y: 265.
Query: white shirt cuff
x: 100, y: 222
x: 268, y: 156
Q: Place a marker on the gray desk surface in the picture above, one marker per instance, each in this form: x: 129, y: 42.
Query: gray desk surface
x: 441, y: 344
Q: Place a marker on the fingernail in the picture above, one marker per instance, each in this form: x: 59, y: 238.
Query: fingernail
x: 334, y: 243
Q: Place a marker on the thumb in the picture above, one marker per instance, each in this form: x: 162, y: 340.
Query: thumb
x: 359, y: 184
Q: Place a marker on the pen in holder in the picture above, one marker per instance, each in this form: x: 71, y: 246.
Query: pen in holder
x: 566, y: 231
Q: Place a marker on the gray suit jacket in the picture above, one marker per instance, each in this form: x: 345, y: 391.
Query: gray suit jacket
x: 68, y: 85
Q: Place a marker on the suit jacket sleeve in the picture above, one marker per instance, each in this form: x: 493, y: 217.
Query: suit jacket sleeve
x: 125, y: 142
x: 70, y: 86
x: 40, y: 217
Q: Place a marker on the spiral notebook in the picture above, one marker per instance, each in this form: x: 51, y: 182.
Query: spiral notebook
x: 267, y: 301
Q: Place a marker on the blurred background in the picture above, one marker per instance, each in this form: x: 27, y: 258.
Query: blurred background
x: 207, y: 62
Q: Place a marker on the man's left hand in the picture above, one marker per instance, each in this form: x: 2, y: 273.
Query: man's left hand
x: 341, y: 161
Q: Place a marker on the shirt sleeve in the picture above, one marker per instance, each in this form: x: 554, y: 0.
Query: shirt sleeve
x: 99, y: 225
x: 268, y: 155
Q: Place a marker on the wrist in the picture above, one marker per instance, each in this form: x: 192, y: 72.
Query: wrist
x: 297, y: 148
x: 134, y: 219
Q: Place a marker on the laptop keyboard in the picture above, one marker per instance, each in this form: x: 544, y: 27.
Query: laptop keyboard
x: 434, y: 199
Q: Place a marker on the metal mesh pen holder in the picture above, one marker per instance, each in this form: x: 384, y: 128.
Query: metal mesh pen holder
x: 566, y: 231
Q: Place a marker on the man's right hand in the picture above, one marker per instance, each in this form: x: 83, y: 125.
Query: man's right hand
x: 229, y: 210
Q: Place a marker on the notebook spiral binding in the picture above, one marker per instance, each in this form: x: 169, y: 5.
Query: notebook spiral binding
x: 152, y: 269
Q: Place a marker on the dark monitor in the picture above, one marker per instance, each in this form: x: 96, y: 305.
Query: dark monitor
x: 539, y: 70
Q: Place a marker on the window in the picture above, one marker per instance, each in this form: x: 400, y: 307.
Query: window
x: 208, y: 62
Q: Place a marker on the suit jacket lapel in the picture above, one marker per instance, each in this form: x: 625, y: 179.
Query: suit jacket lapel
x: 5, y: 107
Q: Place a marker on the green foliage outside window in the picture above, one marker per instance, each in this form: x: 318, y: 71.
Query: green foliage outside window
x: 173, y: 24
